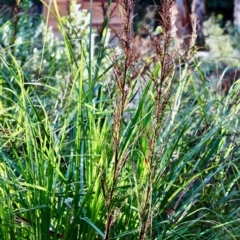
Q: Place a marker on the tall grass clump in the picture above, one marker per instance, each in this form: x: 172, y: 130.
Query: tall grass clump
x: 103, y: 142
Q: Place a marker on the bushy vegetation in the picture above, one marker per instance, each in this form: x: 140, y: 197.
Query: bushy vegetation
x: 101, y: 142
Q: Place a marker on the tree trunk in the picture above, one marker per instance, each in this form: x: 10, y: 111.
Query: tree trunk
x: 237, y: 13
x: 198, y: 15
x: 181, y: 24
x: 184, y: 11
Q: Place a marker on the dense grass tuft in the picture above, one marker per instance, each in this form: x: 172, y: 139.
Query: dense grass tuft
x: 103, y: 142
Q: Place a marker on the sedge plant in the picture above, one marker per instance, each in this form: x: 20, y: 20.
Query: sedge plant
x: 124, y: 147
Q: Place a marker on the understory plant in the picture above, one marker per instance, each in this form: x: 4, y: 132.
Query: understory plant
x: 124, y: 146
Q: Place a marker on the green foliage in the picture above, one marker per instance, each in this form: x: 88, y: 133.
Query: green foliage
x: 76, y: 162
x: 219, y: 43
